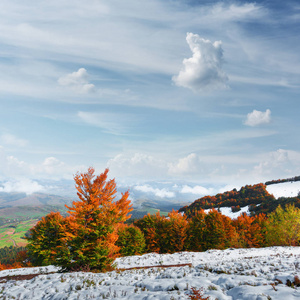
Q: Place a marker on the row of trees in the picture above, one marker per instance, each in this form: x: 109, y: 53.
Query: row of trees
x: 12, y: 257
x: 213, y: 230
x: 296, y: 178
x: 93, y: 233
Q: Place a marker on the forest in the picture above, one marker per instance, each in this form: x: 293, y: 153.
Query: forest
x: 97, y: 227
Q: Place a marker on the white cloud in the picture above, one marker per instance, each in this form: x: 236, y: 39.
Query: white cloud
x: 77, y: 81
x: 229, y: 187
x: 202, y: 71
x: 137, y: 165
x: 21, y: 186
x: 51, y: 168
x: 186, y: 165
x: 278, y: 164
x: 161, y: 193
x: 52, y: 165
x: 13, y: 167
x: 234, y: 12
x: 257, y: 118
x: 197, y: 190
x: 12, y: 140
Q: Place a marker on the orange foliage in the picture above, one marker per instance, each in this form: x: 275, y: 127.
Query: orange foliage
x: 86, y: 239
x: 251, y: 230
x: 164, y: 234
x: 97, y: 200
x: 197, y: 294
x: 177, y: 233
x: 94, y: 218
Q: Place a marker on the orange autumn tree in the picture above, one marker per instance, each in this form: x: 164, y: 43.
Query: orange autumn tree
x: 86, y: 238
x: 177, y: 231
x: 164, y: 234
x: 251, y: 230
x: 94, y: 219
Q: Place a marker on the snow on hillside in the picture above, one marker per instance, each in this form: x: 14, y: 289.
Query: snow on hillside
x: 252, y: 274
x: 226, y: 211
x: 284, y: 189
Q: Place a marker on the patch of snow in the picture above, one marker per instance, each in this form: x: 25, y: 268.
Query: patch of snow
x: 233, y: 215
x: 229, y: 274
x: 285, y: 189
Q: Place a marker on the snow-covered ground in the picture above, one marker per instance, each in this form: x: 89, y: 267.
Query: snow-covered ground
x: 284, y: 189
x: 252, y: 274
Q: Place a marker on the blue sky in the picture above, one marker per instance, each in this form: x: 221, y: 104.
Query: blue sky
x: 193, y: 94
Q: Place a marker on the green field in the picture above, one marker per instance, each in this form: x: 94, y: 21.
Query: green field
x: 16, y: 221
x: 153, y: 211
x: 13, y: 234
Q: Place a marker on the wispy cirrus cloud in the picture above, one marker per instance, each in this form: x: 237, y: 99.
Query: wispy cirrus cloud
x: 110, y: 122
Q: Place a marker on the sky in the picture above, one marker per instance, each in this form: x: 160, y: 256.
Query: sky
x: 175, y: 97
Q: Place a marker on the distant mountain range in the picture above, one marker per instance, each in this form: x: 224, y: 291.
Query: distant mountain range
x: 35, y: 199
x: 258, y: 198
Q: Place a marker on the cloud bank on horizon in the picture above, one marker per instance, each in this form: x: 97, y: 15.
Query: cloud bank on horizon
x: 205, y: 93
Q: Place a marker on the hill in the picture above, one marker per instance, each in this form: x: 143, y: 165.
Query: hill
x: 35, y: 199
x: 17, y: 220
x: 255, y: 197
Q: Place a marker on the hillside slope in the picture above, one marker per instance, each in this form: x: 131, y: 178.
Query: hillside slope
x: 256, y: 197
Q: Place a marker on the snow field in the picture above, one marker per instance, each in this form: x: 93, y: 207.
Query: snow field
x: 251, y: 274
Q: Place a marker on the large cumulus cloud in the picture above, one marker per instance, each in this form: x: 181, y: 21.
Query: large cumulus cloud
x: 202, y: 71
